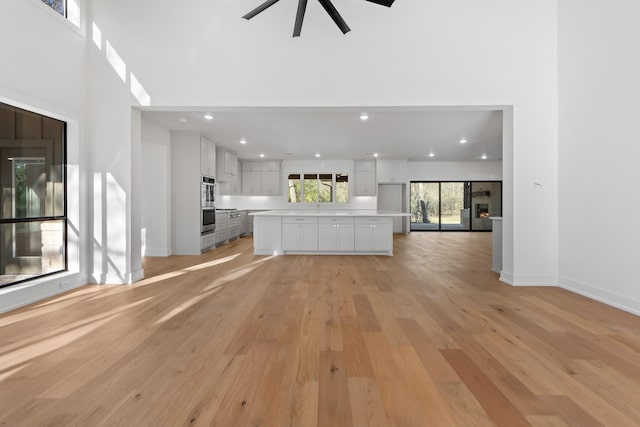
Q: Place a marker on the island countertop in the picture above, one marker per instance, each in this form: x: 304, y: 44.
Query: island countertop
x: 329, y: 212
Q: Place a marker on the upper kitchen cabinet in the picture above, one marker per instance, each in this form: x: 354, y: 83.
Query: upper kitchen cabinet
x: 392, y: 171
x: 227, y: 165
x: 261, y: 178
x: 207, y: 157
x: 365, y: 177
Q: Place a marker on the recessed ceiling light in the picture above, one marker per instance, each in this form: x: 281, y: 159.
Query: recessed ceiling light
x: 183, y: 120
x: 484, y: 157
x: 208, y: 116
x: 364, y: 116
x: 261, y: 154
x: 375, y: 154
x: 463, y: 140
x: 431, y: 155
x: 317, y: 154
x: 243, y: 141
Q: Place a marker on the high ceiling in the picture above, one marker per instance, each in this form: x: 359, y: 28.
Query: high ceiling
x: 339, y: 133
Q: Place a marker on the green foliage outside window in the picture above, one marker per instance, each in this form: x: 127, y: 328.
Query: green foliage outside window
x: 316, y: 188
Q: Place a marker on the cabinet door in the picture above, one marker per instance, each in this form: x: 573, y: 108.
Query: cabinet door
x: 207, y: 157
x: 363, y: 237
x: 271, y: 184
x: 327, y: 238
x: 251, y: 185
x: 344, y: 237
x: 365, y: 183
x: 309, y: 237
x: 291, y: 237
x: 382, y: 237
x: 230, y: 164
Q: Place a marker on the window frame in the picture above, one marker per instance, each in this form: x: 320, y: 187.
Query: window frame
x: 65, y: 14
x: 334, y: 188
x: 64, y: 218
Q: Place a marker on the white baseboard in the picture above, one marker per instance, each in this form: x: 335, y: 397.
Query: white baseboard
x: 36, y: 290
x: 117, y: 279
x: 527, y: 279
x: 613, y: 299
x: 506, y: 277
x: 164, y: 252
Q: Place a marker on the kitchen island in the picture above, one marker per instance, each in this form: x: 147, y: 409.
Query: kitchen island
x: 323, y: 232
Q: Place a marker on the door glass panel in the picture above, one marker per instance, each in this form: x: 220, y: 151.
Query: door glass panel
x: 486, y: 202
x: 425, y: 206
x: 455, y: 213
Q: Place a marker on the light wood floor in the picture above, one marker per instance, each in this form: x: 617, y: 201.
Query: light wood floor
x: 428, y: 337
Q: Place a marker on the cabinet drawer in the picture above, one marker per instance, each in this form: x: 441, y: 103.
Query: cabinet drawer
x: 299, y: 220
x: 335, y: 220
x: 373, y: 220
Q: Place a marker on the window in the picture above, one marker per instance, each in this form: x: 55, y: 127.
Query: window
x: 316, y: 188
x: 59, y: 6
x: 32, y: 183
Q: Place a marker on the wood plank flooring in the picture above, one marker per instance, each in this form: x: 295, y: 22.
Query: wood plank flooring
x: 428, y: 337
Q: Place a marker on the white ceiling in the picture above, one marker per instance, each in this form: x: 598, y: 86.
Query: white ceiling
x: 339, y: 133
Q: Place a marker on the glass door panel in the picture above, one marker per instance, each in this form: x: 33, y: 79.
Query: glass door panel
x: 455, y: 213
x: 425, y: 206
x: 486, y: 202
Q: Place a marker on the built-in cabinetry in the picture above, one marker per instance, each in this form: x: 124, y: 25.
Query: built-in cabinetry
x: 207, y: 157
x: 306, y: 233
x: 261, y: 178
x: 234, y: 225
x: 188, y: 150
x: 207, y: 241
x: 267, y: 235
x: 373, y: 233
x: 300, y: 233
x: 365, y: 178
x: 335, y: 234
x: 231, y: 188
x: 222, y: 228
x: 226, y: 165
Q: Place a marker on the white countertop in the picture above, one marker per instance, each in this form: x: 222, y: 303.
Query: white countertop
x: 329, y: 212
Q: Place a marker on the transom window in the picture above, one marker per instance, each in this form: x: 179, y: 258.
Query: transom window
x: 314, y: 188
x: 59, y: 6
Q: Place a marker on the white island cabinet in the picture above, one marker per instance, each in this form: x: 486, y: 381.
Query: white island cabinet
x: 324, y: 232
x: 299, y: 234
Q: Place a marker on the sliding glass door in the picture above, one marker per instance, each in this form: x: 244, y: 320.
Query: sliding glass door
x: 454, y: 205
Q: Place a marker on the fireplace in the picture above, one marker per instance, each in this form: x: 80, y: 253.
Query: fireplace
x: 482, y: 210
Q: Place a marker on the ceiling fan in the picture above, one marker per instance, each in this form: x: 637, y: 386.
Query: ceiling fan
x: 302, y: 7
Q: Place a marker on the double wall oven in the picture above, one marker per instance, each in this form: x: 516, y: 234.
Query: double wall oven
x: 208, y: 206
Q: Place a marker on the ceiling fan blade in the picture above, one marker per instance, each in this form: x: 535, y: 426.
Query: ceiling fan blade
x: 302, y: 7
x: 260, y: 8
x: 333, y: 13
x: 387, y: 3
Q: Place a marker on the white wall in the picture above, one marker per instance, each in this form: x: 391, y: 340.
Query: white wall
x: 42, y: 70
x: 156, y: 189
x: 495, y: 52
x: 455, y: 171
x: 598, y: 151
